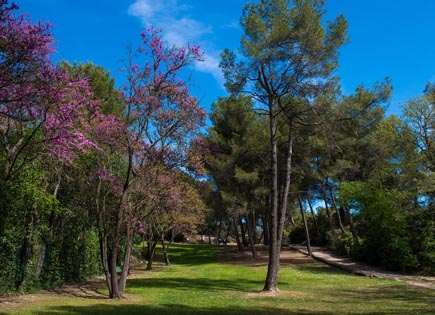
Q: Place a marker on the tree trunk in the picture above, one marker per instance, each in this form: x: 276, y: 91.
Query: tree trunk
x: 228, y: 231
x: 151, y: 256
x: 334, y: 204
x: 218, y: 232
x: 25, y: 254
x: 328, y: 213
x: 40, y: 257
x: 126, y: 266
x: 236, y: 231
x: 165, y: 251
x: 116, y: 293
x: 307, y: 232
x: 353, y: 230
x: 243, y: 232
x: 314, y: 220
x: 251, y: 233
x: 271, y: 282
x: 266, y: 229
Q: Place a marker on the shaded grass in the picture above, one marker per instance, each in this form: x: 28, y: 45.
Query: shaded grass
x: 197, y: 283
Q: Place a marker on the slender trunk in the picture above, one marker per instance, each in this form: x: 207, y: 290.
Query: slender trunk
x: 218, y: 232
x: 307, y: 232
x: 242, y: 231
x: 151, y: 256
x: 314, y: 220
x: 236, y: 232
x: 271, y: 282
x: 102, y: 237
x: 165, y: 251
x: 116, y: 293
x: 328, y: 213
x: 228, y: 231
x: 283, y: 209
x: 250, y: 227
x: 126, y: 267
x: 334, y: 204
x: 266, y: 229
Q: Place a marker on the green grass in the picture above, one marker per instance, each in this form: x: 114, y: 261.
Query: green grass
x: 196, y: 283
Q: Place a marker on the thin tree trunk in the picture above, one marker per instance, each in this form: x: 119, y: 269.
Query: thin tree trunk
x: 116, y: 293
x: 251, y: 237
x: 218, y: 232
x: 334, y: 204
x: 307, y: 232
x: 328, y: 213
x: 151, y: 256
x: 165, y: 251
x: 228, y: 231
x: 314, y: 219
x: 102, y: 237
x: 236, y: 231
x: 243, y: 232
x: 126, y: 267
x: 266, y: 229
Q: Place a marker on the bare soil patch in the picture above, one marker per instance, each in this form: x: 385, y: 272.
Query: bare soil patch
x: 231, y: 255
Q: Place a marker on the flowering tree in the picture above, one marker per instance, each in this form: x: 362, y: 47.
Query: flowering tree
x: 160, y: 116
x: 42, y: 108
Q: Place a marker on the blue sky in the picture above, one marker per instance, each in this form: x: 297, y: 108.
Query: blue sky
x: 392, y: 38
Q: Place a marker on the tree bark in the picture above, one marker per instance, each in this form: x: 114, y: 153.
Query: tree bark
x: 328, y: 213
x: 151, y: 256
x: 243, y: 232
x: 252, y: 242
x: 271, y: 283
x: 307, y: 232
x: 126, y: 266
x: 165, y: 251
x: 228, y: 231
x: 314, y: 219
x: 236, y: 231
x: 334, y: 204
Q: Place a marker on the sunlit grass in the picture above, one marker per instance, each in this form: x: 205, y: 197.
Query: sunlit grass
x: 197, y: 283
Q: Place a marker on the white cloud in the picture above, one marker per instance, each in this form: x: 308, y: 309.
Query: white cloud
x: 143, y: 9
x: 179, y: 29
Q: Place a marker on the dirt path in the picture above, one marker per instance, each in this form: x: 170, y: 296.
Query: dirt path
x: 363, y: 269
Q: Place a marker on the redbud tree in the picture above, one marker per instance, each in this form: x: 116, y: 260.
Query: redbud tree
x: 43, y: 110
x: 160, y: 117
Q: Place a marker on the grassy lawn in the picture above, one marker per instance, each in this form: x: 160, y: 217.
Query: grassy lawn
x: 199, y: 283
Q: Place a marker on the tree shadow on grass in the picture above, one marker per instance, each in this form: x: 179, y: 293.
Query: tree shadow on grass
x: 392, y: 299
x: 321, y: 269
x: 171, y: 309
x: 187, y: 254
x: 197, y: 284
